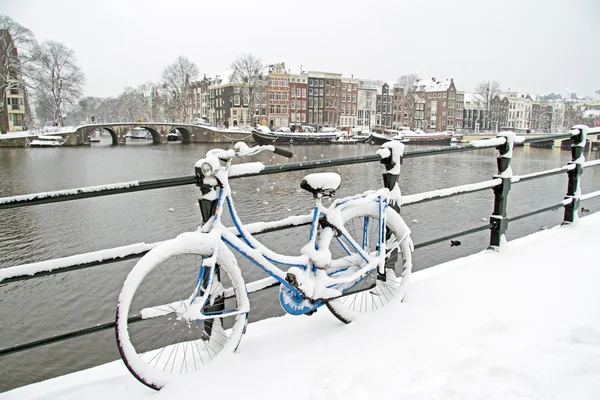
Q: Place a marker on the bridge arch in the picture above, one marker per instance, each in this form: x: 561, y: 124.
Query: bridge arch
x: 156, y: 136
x: 186, y: 134
x: 113, y: 134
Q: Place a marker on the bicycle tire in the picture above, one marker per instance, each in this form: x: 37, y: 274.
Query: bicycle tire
x: 165, y: 342
x: 384, y: 289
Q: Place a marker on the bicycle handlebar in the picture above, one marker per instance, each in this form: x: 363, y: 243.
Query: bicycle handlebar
x: 282, y: 152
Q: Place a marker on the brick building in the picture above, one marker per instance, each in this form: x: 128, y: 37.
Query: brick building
x: 298, y: 98
x: 316, y: 105
x: 384, y: 106
x: 332, y: 99
x: 349, y: 99
x: 444, y: 105
x: 278, y: 96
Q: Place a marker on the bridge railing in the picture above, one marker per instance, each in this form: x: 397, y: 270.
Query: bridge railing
x: 500, y: 183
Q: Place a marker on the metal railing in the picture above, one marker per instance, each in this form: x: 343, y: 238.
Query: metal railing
x: 500, y: 184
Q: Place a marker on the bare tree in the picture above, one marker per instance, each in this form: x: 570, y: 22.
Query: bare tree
x: 488, y: 90
x: 177, y: 78
x: 408, y: 84
x: 56, y: 77
x: 248, y: 71
x: 16, y: 43
x: 85, y: 110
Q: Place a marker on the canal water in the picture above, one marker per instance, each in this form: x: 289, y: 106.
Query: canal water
x: 43, y: 307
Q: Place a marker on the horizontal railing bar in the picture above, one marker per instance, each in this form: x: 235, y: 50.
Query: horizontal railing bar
x: 74, y: 262
x: 135, y: 186
x: 593, y: 163
x: 65, y: 336
x: 448, y: 192
x: 306, y: 165
x: 548, y: 138
x: 71, y: 268
x: 538, y: 211
x: 543, y: 174
x: 448, y: 237
x: 55, y: 267
x: 590, y: 195
x: 86, y: 193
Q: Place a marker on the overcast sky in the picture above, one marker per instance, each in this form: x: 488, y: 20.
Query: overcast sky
x: 535, y: 46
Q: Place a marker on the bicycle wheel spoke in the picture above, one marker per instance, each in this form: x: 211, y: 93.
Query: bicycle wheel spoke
x: 364, y: 229
x: 168, y: 342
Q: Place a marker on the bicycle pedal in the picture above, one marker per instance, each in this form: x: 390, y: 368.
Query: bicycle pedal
x: 291, y: 279
x: 311, y: 312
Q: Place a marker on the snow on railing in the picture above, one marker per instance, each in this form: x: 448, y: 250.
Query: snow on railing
x: 67, y: 192
x: 78, y: 259
x: 453, y: 191
x: 117, y: 253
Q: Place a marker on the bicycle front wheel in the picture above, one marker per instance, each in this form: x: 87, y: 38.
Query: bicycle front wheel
x: 362, y: 225
x: 158, y: 337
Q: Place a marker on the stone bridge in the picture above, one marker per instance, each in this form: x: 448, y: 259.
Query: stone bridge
x: 190, y: 133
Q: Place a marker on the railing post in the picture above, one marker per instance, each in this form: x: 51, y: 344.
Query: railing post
x: 207, y: 203
x: 390, y: 181
x: 573, y: 187
x: 499, y: 218
x: 392, y: 170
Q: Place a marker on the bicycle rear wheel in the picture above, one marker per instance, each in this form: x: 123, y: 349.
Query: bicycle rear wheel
x: 362, y: 225
x: 157, y: 337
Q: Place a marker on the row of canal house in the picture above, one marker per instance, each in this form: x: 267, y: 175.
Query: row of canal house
x: 326, y: 99
x: 518, y: 112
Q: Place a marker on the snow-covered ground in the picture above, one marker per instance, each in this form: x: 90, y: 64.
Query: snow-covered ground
x: 520, y: 324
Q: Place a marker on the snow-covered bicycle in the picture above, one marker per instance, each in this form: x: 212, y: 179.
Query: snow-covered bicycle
x: 185, y: 302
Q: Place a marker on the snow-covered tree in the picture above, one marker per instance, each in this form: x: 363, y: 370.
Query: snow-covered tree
x: 248, y: 70
x: 56, y: 78
x: 177, y: 78
x: 408, y: 84
x: 488, y: 90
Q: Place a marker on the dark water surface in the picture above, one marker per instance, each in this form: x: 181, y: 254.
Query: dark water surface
x: 39, y: 308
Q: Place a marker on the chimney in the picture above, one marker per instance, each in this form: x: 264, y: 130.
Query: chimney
x: 433, y: 79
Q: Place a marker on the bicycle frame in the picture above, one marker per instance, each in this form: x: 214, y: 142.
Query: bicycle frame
x: 317, y: 281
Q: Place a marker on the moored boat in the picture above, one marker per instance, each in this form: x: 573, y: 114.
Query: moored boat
x: 47, y: 141
x: 95, y: 137
x: 381, y: 138
x: 263, y: 135
x: 349, y: 139
x: 138, y: 133
x: 173, y: 137
x: 420, y: 137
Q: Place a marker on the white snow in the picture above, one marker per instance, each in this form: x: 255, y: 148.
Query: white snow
x: 59, y: 263
x: 523, y: 323
x: 413, y: 198
x: 246, y: 168
x: 517, y: 178
x: 488, y: 142
x: 324, y: 180
x: 89, y: 189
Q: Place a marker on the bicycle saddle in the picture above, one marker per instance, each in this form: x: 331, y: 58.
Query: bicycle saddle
x: 324, y: 183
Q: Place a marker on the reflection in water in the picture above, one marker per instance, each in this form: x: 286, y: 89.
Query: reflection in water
x: 38, y: 308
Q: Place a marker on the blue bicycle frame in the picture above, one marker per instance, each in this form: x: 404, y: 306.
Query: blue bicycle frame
x: 293, y: 300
